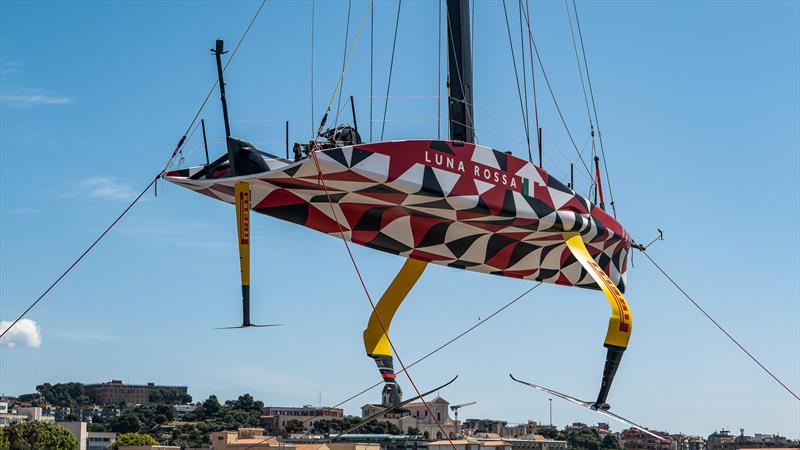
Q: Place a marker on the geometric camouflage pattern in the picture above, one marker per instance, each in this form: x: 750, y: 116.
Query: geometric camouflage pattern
x: 457, y: 204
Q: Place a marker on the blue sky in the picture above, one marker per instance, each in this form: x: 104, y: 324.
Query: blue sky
x: 699, y: 104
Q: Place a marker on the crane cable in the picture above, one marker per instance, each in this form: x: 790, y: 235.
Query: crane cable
x: 344, y: 69
x: 344, y: 55
x: 724, y: 331
x: 175, y: 152
x: 369, y: 297
x: 391, y: 67
x: 533, y: 77
x: 519, y: 91
x: 555, y: 101
x: 594, y: 107
x: 420, y: 359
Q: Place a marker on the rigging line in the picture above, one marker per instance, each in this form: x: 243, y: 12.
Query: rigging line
x: 369, y: 297
x: 371, y: 54
x: 313, y: 3
x: 580, y: 72
x: 533, y: 70
x: 441, y: 347
x: 458, y: 72
x: 214, y: 85
x: 720, y: 326
x: 555, y: 102
x: 391, y: 66
x: 560, y: 169
x: 347, y: 63
x: 439, y: 77
x: 594, y: 107
x: 344, y: 55
x: 516, y: 75
x: 426, y: 356
x: 524, y: 80
x: 166, y: 166
x: 85, y: 252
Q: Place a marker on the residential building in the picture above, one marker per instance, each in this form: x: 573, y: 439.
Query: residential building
x: 78, y: 429
x: 115, y: 392
x: 100, y: 440
x: 720, y: 440
x: 3, y: 407
x: 684, y: 442
x: 25, y: 414
x: 634, y: 439
x: 387, y: 441
x: 183, y: 410
x: 149, y: 447
x: 251, y: 438
x: 469, y: 444
x: 275, y: 417
x: 418, y: 417
x: 473, y: 426
x: 534, y: 442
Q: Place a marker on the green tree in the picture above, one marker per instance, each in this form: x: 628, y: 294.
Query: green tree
x: 548, y: 431
x: 37, y: 436
x: 133, y: 439
x: 294, y: 426
x: 611, y: 442
x: 167, y: 411
x: 584, y: 438
x: 127, y: 422
x: 413, y: 431
x: 63, y: 394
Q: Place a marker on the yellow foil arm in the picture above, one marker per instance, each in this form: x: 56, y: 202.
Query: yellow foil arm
x: 375, y: 340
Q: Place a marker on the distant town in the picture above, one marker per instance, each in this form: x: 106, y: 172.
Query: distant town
x: 121, y: 416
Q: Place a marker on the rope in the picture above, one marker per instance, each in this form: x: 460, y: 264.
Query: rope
x: 170, y: 160
x: 555, y: 101
x: 525, y: 82
x: 391, y: 66
x: 580, y: 73
x: 533, y: 71
x: 85, y: 252
x: 346, y: 65
x: 700, y: 308
x: 369, y: 297
x: 439, y: 77
x: 419, y: 360
x: 344, y: 55
x: 371, y: 54
x: 594, y: 107
x: 313, y: 3
x: 214, y: 86
x: 516, y: 75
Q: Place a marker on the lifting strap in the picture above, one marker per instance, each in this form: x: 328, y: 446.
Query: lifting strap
x: 375, y: 340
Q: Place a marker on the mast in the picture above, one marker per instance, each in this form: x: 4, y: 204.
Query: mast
x: 459, y: 76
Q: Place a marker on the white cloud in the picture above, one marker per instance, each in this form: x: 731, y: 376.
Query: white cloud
x: 33, y: 97
x: 24, y: 334
x: 106, y: 188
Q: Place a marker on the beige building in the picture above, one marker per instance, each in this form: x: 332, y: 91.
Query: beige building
x: 246, y: 438
x: 276, y: 417
x: 469, y: 444
x: 418, y: 417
